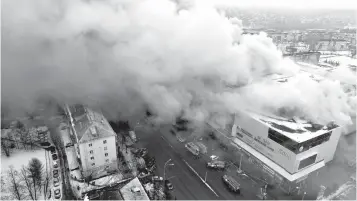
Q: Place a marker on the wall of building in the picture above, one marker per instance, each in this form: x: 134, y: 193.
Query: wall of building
x: 259, y: 132
x: 100, y: 160
x: 255, y: 134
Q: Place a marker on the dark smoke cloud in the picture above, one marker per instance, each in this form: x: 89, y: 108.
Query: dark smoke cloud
x: 123, y: 56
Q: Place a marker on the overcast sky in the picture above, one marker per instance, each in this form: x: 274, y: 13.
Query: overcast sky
x: 299, y: 4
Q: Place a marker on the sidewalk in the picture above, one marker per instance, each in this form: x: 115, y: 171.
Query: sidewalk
x: 128, y: 156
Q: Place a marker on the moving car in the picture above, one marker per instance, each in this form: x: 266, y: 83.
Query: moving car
x: 57, y: 193
x: 231, y: 183
x: 169, y: 185
x: 157, y: 178
x: 220, y: 165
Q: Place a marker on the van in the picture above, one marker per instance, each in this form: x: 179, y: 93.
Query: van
x: 216, y: 165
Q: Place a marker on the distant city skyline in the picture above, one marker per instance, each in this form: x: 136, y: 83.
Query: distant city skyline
x: 292, y: 4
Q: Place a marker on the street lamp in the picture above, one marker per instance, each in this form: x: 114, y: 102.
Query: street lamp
x: 240, y: 163
x: 167, y: 163
x: 303, y: 196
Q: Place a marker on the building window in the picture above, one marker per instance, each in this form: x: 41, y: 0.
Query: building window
x: 93, y: 164
x: 92, y: 158
x: 91, y: 151
x: 104, y: 141
x: 307, y: 161
x: 90, y: 144
x: 105, y: 148
x: 106, y: 154
x: 107, y: 160
x: 283, y: 140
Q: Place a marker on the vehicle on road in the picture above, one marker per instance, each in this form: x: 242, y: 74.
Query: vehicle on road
x: 219, y: 165
x: 57, y: 193
x: 231, y: 183
x: 54, y: 157
x: 194, y: 149
x: 212, y: 135
x: 169, y: 185
x: 52, y: 149
x: 214, y: 157
x: 180, y: 138
x: 157, y: 178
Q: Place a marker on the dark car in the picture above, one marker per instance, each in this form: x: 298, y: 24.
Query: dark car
x: 212, y: 135
x: 143, y: 152
x: 169, y: 185
x: 54, y: 157
x: 57, y: 193
x: 55, y: 173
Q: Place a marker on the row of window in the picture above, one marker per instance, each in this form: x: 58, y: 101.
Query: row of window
x: 104, y: 142
x: 92, y: 158
x: 295, y: 146
x: 106, y: 160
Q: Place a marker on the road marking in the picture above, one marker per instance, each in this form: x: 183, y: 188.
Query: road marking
x: 200, y: 178
x: 191, y: 168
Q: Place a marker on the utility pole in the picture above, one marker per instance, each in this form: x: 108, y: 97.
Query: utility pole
x: 206, y: 176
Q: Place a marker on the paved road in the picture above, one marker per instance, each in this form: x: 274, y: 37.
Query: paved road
x: 187, y: 185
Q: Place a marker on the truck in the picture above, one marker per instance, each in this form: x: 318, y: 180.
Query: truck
x: 194, y: 149
x: 231, y: 183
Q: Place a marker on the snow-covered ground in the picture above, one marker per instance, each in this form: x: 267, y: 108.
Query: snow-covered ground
x: 21, y: 157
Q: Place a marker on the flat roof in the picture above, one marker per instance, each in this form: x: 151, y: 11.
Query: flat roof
x: 296, y: 129
x: 277, y: 168
x: 134, y: 190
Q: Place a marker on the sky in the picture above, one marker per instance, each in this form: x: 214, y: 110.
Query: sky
x: 297, y: 4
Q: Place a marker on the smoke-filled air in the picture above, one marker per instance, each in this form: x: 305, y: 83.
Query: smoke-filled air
x: 126, y: 55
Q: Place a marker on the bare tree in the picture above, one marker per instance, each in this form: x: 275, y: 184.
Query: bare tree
x: 35, y: 170
x: 27, y: 181
x: 5, y: 148
x: 15, y: 187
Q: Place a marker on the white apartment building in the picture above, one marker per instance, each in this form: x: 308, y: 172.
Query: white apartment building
x: 94, y: 142
x: 292, y: 148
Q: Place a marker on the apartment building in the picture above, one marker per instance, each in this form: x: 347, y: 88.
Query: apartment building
x: 94, y: 142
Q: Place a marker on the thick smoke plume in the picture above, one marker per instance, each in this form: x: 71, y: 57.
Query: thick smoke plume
x: 126, y: 55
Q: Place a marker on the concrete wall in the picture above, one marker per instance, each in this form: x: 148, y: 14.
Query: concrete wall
x: 100, y: 160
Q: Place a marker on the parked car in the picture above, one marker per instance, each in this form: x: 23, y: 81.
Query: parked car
x: 54, y: 157
x: 157, y: 178
x: 169, y: 185
x: 55, y: 173
x: 55, y: 164
x: 143, y: 152
x: 219, y: 165
x: 57, y: 193
x: 56, y: 180
x: 56, y: 184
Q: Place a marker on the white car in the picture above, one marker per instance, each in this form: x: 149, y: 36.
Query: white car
x: 214, y: 157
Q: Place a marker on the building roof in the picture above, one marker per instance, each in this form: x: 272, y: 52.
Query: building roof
x: 134, y: 190
x: 89, y: 125
x: 297, y: 130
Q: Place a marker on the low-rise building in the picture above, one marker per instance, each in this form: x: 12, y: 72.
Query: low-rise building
x: 94, y: 141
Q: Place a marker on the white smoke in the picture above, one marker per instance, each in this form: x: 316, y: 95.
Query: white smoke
x: 124, y: 55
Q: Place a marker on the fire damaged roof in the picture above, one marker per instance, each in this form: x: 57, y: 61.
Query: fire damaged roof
x: 89, y: 124
x: 296, y: 129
